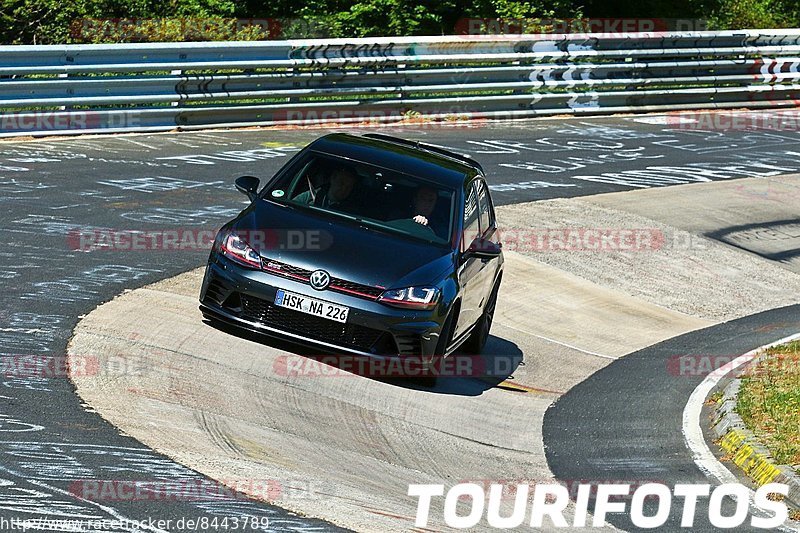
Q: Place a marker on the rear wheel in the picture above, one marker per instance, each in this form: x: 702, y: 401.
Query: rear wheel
x: 477, y: 339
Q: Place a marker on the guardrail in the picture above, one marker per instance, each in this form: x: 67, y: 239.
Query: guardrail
x: 162, y: 86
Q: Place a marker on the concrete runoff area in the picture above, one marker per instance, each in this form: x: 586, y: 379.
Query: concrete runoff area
x: 758, y: 215
x: 225, y: 405
x: 717, y: 250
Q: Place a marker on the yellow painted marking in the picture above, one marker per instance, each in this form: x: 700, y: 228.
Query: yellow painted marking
x: 275, y: 144
x: 756, y: 465
x: 513, y: 385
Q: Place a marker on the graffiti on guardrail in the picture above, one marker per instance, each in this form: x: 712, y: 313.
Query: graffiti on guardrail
x: 341, y: 55
x: 620, y: 69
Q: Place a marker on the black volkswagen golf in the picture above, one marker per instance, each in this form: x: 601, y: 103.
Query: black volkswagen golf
x: 366, y: 245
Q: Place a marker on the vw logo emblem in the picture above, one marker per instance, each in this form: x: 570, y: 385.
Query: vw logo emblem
x: 320, y: 280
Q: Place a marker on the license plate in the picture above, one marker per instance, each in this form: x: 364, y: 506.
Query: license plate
x: 311, y: 306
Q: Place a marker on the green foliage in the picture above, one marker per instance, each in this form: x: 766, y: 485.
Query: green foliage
x: 367, y: 18
x: 740, y: 14
x: 68, y: 21
x: 75, y: 21
x: 769, y: 402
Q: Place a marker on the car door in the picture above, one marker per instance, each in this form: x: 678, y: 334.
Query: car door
x: 473, y: 271
x: 488, y: 234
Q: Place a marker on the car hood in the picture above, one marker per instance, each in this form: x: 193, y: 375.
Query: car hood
x: 343, y: 248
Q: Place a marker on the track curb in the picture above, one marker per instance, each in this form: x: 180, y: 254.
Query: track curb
x: 742, y: 446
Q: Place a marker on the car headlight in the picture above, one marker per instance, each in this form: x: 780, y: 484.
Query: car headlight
x: 411, y: 297
x: 237, y: 249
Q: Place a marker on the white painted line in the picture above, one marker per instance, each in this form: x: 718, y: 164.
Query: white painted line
x: 692, y: 431
x: 548, y: 339
x: 110, y: 510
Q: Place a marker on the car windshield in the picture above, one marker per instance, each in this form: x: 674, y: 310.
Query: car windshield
x: 377, y: 198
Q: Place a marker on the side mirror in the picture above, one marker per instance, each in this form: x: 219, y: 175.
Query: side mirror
x: 484, y: 249
x: 248, y: 185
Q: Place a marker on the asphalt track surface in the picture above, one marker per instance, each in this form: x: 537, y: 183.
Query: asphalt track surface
x: 644, y: 395
x: 49, y: 188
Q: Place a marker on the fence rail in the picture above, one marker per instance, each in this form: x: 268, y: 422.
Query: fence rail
x: 161, y: 86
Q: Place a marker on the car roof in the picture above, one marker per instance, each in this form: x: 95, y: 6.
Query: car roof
x: 417, y: 159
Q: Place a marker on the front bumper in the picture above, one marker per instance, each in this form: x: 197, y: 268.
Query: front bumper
x: 245, y: 298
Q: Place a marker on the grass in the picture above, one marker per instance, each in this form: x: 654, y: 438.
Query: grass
x: 769, y: 402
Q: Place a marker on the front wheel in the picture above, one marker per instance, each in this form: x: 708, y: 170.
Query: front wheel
x: 429, y: 376
x: 477, y: 339
x: 430, y: 369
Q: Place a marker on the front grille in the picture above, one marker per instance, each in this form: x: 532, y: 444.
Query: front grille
x: 285, y: 269
x: 313, y: 327
x: 350, y: 287
x: 337, y: 284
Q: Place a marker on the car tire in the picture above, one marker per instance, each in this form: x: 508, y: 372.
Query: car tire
x: 477, y: 339
x: 428, y: 376
x: 430, y: 373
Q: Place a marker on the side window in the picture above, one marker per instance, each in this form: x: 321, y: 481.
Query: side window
x: 471, y: 216
x: 486, y: 213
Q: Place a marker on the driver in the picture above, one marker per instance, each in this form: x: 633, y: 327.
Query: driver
x: 423, y: 205
x: 337, y: 194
